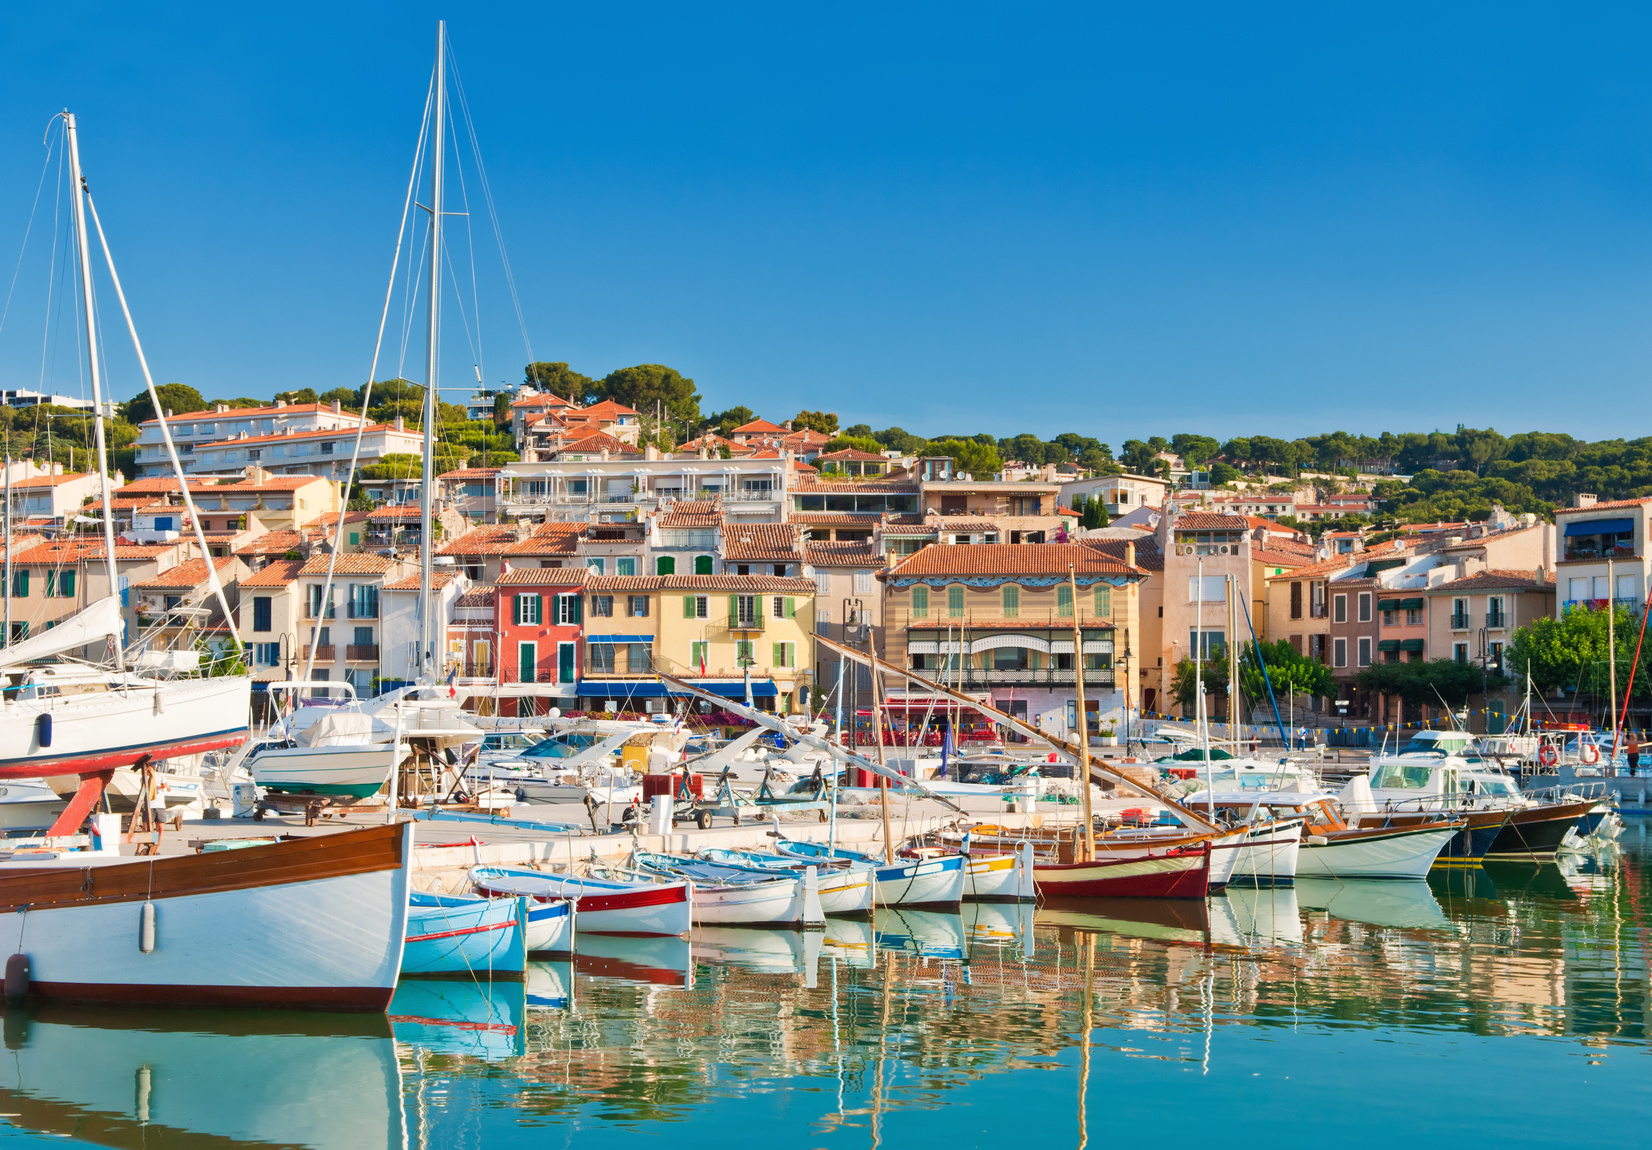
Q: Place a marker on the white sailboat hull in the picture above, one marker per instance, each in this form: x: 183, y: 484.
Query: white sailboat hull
x: 920, y: 882
x: 847, y: 891
x: 103, y: 730
x: 1401, y: 853
x: 1269, y: 856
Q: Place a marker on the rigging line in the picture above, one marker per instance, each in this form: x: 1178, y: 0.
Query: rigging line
x: 487, y: 198
x: 470, y: 244
x: 29, y: 227
x: 464, y: 320
x: 367, y: 391
x: 51, y: 271
x: 410, y: 292
x: 415, y: 268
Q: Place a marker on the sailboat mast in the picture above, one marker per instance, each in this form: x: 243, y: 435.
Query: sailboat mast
x: 432, y: 347
x: 83, y: 252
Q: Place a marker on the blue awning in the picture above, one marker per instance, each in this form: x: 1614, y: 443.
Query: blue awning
x: 1601, y: 527
x: 653, y: 689
x: 619, y: 638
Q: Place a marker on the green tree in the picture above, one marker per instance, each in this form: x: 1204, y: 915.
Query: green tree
x: 824, y: 422
x: 1221, y: 474
x: 302, y: 395
x: 1092, y: 512
x: 903, y: 441
x: 1437, y: 682
x: 1138, y: 457
x: 854, y: 442
x: 1195, y: 450
x: 647, y: 384
x: 177, y: 398
x: 979, y: 459
x: 502, y: 409
x: 348, y: 398
x: 560, y: 379
x: 1184, y: 683
x: 724, y: 422
x: 1572, y: 652
x: 1288, y: 672
x: 1098, y: 461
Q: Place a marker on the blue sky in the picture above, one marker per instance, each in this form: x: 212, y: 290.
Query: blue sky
x: 1116, y: 219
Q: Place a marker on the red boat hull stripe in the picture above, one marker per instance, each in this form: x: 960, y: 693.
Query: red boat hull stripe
x: 467, y: 930
x: 122, y: 757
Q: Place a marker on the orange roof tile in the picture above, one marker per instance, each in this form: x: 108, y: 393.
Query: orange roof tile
x: 190, y: 574
x: 543, y: 577
x: 1010, y: 559
x: 348, y: 564
x: 761, y: 542
x: 276, y: 573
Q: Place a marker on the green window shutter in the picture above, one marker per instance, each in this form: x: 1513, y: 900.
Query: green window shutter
x: 791, y: 607
x: 68, y: 581
x: 955, y: 600
x: 516, y: 609
x: 688, y: 606
x: 757, y: 610
x: 920, y: 602
x: 779, y: 656
x: 733, y: 610
x: 1104, y: 599
x: 665, y: 565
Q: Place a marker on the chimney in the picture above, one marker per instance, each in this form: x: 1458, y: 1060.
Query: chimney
x: 337, y: 407
x: 401, y: 425
x: 219, y: 408
x: 1129, y: 552
x: 1585, y: 499
x: 278, y: 403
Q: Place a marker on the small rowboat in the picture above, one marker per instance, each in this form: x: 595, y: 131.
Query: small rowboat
x: 742, y: 896
x: 602, y: 906
x: 1179, y: 873
x: 466, y: 936
x: 935, y: 881
x: 844, y: 889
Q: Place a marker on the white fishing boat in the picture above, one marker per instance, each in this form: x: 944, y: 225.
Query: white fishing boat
x: 601, y: 906
x: 741, y: 896
x: 844, y: 888
x: 937, y: 881
x: 312, y: 923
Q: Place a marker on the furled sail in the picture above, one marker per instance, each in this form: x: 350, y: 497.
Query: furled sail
x: 88, y: 628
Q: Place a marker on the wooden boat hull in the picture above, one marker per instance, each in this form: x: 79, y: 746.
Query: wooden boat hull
x: 781, y: 901
x: 102, y: 731
x: 1392, y: 852
x: 314, y: 923
x: 600, y: 907
x: 1183, y: 874
x: 1536, y: 832
x: 473, y: 938
x: 998, y: 878
x: 922, y: 882
x: 1269, y: 855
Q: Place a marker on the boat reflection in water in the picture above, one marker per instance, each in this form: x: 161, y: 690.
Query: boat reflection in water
x: 475, y: 1019
x: 850, y: 941
x: 1182, y: 922
x: 925, y: 933
x: 187, y: 1078
x: 1252, y: 916
x: 664, y: 960
x: 768, y: 951
x: 1000, y: 925
x: 550, y: 985
x: 1376, y: 902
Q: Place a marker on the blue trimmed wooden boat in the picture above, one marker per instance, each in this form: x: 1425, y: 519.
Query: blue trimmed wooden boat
x: 466, y: 936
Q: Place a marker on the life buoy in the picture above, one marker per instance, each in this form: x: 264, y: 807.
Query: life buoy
x: 1546, y: 755
x: 1589, y: 753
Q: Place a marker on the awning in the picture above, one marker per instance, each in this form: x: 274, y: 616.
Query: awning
x: 1388, y: 604
x: 1388, y: 644
x: 1411, y: 644
x: 1411, y: 604
x: 619, y: 638
x: 653, y: 689
x: 993, y: 642
x: 1601, y: 527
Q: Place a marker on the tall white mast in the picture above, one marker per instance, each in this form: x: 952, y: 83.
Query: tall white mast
x: 83, y: 250
x: 427, y: 626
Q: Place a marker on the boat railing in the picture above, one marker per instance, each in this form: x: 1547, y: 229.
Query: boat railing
x: 1569, y: 793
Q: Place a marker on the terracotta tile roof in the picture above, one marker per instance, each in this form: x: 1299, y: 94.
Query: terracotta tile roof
x: 1317, y: 570
x: 760, y: 427
x: 274, y: 483
x: 693, y: 513
x: 272, y: 543
x: 840, y: 519
x: 959, y: 523
x: 825, y: 554
x: 488, y: 540
x: 471, y: 473
x: 396, y: 511
x: 479, y: 595
x: 1292, y: 559
x: 1480, y: 541
x: 286, y: 436
x: 351, y: 564
x: 330, y: 518
x: 761, y: 542
x: 595, y: 440
x: 190, y: 574
x: 869, y: 487
x: 438, y: 580
x: 544, y: 577
x: 252, y: 412
x: 607, y: 407
x: 549, y: 539
x: 1496, y: 579
x: 701, y: 583
x: 276, y: 573
x: 48, y: 480
x: 1010, y: 559
x: 1610, y: 505
x: 1147, y: 551
x: 156, y: 484
x: 544, y: 399
x: 1207, y: 521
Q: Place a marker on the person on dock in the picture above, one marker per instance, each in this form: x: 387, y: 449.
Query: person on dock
x: 1633, y: 754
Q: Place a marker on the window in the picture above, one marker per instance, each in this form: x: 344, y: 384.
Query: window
x: 594, y: 564
x: 698, y: 652
x: 639, y: 657
x: 694, y: 607
x: 920, y: 602
x: 1339, y: 652
x: 625, y: 566
x: 744, y: 613
x: 1012, y: 601
x: 1364, y: 606
x: 66, y: 583
x: 778, y: 570
x: 864, y: 584
x: 1459, y: 652
x: 602, y: 606
x: 636, y: 606
x: 1387, y: 618
x: 785, y: 654
x: 1209, y: 589
x: 529, y: 610
x: 785, y: 607
x: 1413, y: 616
x: 601, y: 656
x: 703, y: 564
x: 327, y: 447
x: 569, y: 610
x: 1365, y: 652
x: 1599, y: 538
x: 1104, y: 601
x: 1009, y: 659
x: 266, y: 654
x: 955, y: 600
x: 665, y: 565
x: 19, y: 631
x: 1064, y: 601
x: 1296, y: 600
x: 20, y: 585
x: 565, y: 662
x: 261, y: 613
x: 1209, y: 644
x: 312, y: 597
x: 1339, y: 609
x: 744, y: 653
x: 363, y: 637
x: 364, y: 600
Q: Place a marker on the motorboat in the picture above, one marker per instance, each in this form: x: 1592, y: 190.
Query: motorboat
x: 466, y: 936
x: 633, y: 906
x: 1330, y: 847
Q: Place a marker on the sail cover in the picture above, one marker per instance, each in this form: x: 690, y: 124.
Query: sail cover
x: 87, y: 628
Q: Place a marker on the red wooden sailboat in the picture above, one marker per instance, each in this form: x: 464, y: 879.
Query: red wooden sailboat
x: 1175, y: 873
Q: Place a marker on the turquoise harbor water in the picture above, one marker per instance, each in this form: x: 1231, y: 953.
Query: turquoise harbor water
x: 1507, y: 1008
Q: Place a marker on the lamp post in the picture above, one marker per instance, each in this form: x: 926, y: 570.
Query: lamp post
x: 850, y: 627
x: 1124, y: 661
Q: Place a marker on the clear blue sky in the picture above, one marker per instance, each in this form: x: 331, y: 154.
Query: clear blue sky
x: 1116, y: 219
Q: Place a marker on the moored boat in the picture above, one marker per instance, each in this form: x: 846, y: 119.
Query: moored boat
x: 741, y: 896
x: 937, y: 881
x: 601, y: 906
x: 466, y: 936
x: 844, y: 888
x: 1177, y: 873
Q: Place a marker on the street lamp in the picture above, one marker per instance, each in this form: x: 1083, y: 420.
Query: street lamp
x: 1124, y: 660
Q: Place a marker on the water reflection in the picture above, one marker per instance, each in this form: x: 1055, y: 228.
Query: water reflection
x: 1072, y: 1022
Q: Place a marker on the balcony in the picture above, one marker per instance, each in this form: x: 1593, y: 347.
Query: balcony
x: 363, y: 610
x: 325, y: 653
x: 1496, y: 620
x: 361, y: 653
x: 1459, y: 621
x: 1043, y: 677
x: 746, y: 626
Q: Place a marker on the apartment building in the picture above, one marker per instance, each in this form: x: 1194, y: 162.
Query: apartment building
x: 1604, y: 553
x: 472, y: 491
x: 1142, y: 656
x: 270, y: 621
x: 346, y: 627
x: 748, y: 490
x: 1016, y: 512
x: 1121, y: 493
x: 192, y: 430
x: 614, y: 548
x: 281, y: 503
x: 177, y: 607
x: 399, y: 623
x: 717, y: 630
x: 1473, y: 619
x: 999, y: 621
x: 1299, y: 605
x: 292, y: 452
x: 53, y: 498
x: 538, y: 616
x: 1204, y: 554
x: 762, y: 549
x: 848, y: 598
x: 686, y: 538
